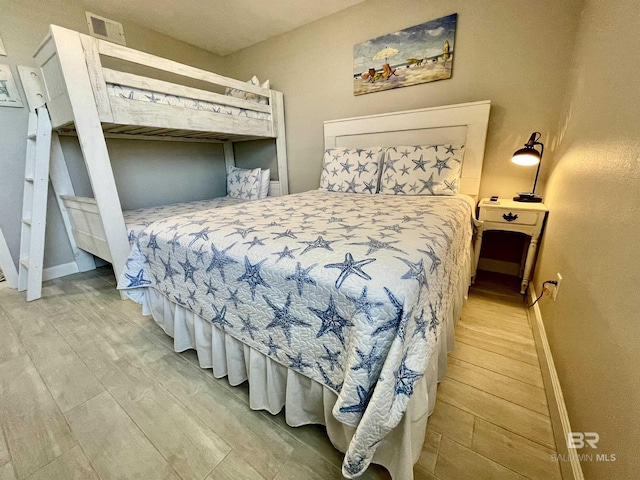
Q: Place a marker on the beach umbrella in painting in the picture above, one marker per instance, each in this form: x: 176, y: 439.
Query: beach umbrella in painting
x: 385, y: 53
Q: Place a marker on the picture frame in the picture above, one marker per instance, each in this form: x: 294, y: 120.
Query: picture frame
x: 9, y: 94
x: 419, y: 54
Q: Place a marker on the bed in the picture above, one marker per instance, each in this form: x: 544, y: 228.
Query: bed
x: 339, y: 306
x: 95, y: 90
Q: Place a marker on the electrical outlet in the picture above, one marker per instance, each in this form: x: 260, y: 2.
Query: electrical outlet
x: 556, y: 287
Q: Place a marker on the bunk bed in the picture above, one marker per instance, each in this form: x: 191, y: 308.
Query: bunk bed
x: 87, y: 99
x: 339, y: 307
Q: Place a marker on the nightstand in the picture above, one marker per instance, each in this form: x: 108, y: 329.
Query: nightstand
x: 510, y: 216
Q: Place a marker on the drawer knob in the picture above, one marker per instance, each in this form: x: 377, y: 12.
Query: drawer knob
x: 510, y: 217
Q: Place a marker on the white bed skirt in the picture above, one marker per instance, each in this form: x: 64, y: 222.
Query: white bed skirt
x: 273, y: 386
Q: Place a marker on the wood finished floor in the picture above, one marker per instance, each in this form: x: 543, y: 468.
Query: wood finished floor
x: 91, y: 389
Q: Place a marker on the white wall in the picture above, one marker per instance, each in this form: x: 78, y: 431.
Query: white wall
x: 23, y: 23
x: 592, y: 239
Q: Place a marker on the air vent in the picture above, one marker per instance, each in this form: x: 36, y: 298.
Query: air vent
x: 105, y: 28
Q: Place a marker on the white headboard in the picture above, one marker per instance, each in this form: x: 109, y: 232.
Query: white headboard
x: 465, y: 123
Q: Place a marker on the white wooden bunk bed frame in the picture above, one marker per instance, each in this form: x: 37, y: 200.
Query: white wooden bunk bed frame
x: 79, y: 104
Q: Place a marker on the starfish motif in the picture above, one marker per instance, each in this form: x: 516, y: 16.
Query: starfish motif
x: 153, y: 243
x: 362, y: 168
x: 416, y: 272
x: 219, y: 319
x: 435, y: 147
x: 420, y: 163
x: 352, y: 185
x: 405, y: 154
x: 189, y: 269
x: 331, y: 357
x: 450, y: 149
x: 369, y: 187
x: 421, y: 325
x: 318, y: 243
x: 287, y: 233
x: 451, y: 185
x: 331, y: 321
x: 137, y: 280
x: 375, y: 245
x: 252, y: 276
x: 254, y: 242
x: 350, y: 266
x: 389, y: 164
x: 429, y: 184
x: 272, y: 346
x: 243, y: 232
x: 301, y: 276
x: 327, y: 380
x: 297, y: 363
x: 201, y: 235
x: 346, y: 166
x: 397, y: 318
x: 363, y: 305
x: 441, y: 164
x: 368, y: 362
x: 369, y: 155
x: 434, y: 321
x: 363, y: 400
x: 169, y: 271
x: 405, y: 378
x: 284, y: 319
x: 211, y: 290
x: 394, y: 228
x: 247, y: 326
x: 220, y: 260
x: 398, y: 188
x: 359, y: 151
x: 334, y: 172
x: 192, y: 295
x: 285, y: 253
x: 404, y: 170
x: 233, y: 297
x: 435, y: 261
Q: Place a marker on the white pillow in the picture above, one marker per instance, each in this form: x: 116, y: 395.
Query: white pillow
x: 264, y: 183
x: 422, y: 170
x: 242, y: 183
x: 234, y: 92
x: 351, y: 170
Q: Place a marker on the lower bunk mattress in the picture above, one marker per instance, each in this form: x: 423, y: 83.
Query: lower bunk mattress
x: 138, y: 220
x: 340, y: 307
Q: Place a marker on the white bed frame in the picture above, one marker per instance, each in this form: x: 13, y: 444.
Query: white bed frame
x: 465, y: 123
x: 79, y: 104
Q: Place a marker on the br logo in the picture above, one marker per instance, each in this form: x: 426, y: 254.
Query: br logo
x: 582, y: 439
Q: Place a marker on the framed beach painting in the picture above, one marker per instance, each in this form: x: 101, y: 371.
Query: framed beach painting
x: 419, y: 54
x: 9, y: 96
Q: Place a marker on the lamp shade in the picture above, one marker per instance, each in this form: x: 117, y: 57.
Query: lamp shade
x: 527, y: 156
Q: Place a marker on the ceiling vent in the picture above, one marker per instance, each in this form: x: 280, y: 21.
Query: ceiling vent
x: 105, y: 28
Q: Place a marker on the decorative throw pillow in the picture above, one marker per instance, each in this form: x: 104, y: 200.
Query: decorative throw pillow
x: 234, y: 92
x: 242, y: 183
x: 351, y: 170
x: 265, y: 177
x: 422, y: 170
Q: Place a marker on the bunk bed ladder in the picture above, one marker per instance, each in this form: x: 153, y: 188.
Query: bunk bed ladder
x: 34, y: 203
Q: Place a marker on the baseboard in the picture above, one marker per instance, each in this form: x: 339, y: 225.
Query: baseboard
x: 58, y: 271
x: 557, y: 406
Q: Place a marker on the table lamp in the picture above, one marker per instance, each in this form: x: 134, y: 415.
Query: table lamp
x: 529, y: 156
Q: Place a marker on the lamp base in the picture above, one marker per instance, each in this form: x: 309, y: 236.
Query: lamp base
x: 528, y: 197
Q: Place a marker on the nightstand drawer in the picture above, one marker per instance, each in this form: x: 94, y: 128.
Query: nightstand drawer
x: 511, y: 216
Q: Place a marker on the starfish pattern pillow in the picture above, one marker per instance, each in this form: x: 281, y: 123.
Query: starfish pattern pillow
x: 351, y: 170
x: 422, y: 170
x: 234, y: 92
x: 242, y: 183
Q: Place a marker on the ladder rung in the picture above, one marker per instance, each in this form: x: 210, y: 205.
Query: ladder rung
x: 26, y: 221
x: 32, y: 136
x: 24, y: 262
x: 28, y: 179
